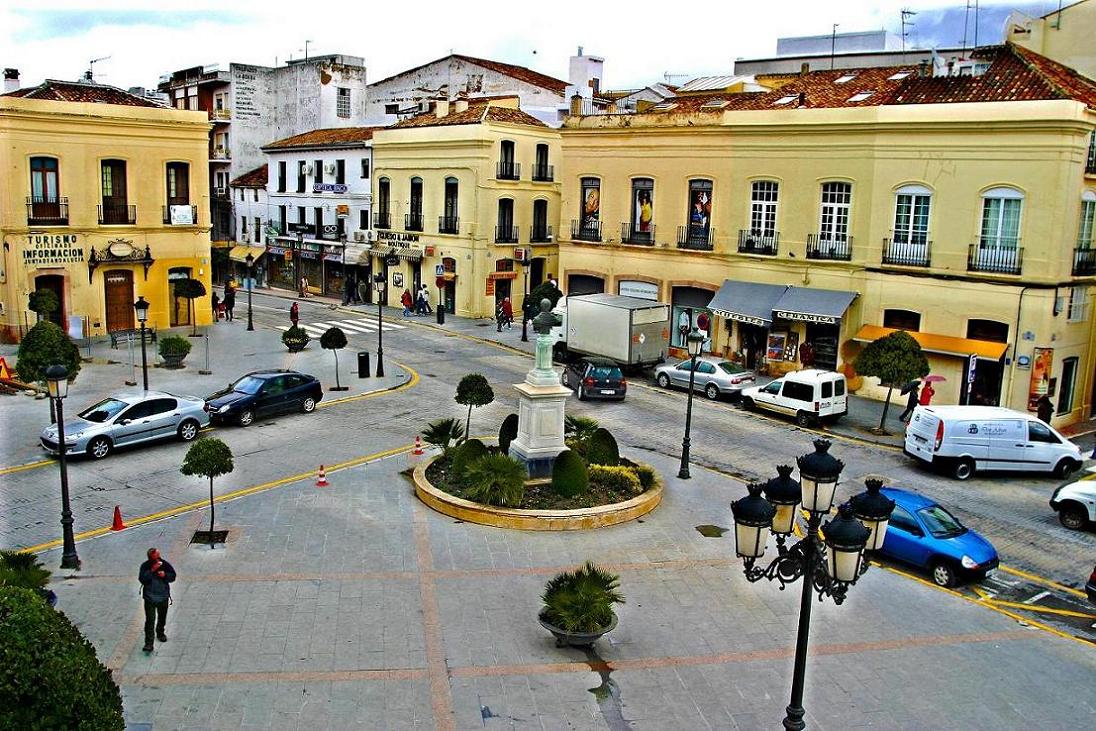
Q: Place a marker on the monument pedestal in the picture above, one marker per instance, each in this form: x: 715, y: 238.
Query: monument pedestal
x: 540, y: 426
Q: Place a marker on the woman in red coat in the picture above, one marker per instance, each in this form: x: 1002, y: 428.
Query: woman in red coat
x: 407, y: 301
x: 927, y: 392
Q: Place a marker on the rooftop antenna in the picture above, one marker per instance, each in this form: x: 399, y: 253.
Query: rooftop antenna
x: 906, y: 23
x: 306, y: 49
x: 833, y: 44
x: 971, y: 5
x: 88, y: 76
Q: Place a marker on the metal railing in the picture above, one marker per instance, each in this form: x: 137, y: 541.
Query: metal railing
x: 220, y: 115
x: 412, y: 222
x: 585, y: 231
x: 1084, y: 261
x: 506, y: 234
x: 689, y: 237
x: 117, y: 214
x: 766, y: 243
x: 448, y: 224
x: 540, y: 233
x: 996, y: 256
x: 630, y: 233
x: 220, y: 153
x: 47, y: 211
x: 382, y: 219
x: 544, y: 173
x: 508, y: 170
x: 193, y: 215
x: 829, y: 247
x: 907, y: 252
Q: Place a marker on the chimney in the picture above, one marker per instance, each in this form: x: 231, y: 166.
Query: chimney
x: 576, y: 104
x: 923, y: 68
x: 802, y: 99
x: 441, y: 108
x: 804, y: 69
x: 11, y: 80
x: 580, y: 50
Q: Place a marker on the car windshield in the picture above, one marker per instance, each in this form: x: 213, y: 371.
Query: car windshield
x: 728, y: 367
x: 248, y: 384
x: 941, y: 523
x: 105, y: 410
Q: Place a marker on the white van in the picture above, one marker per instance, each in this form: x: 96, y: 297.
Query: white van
x: 809, y: 395
x: 962, y: 439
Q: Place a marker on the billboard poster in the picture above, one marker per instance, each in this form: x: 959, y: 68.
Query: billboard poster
x: 1042, y: 364
x: 591, y: 202
x: 643, y: 213
x: 700, y: 213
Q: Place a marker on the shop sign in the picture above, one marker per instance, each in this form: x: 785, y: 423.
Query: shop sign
x: 181, y: 215
x: 640, y: 290
x: 397, y: 279
x: 489, y: 290
x: 342, y: 210
x: 742, y: 318
x: 805, y: 317
x: 52, y: 249
x: 329, y: 188
x: 398, y: 237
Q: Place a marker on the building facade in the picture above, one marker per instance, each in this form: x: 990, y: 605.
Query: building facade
x: 794, y: 225
x: 104, y: 201
x: 1065, y: 35
x: 462, y: 194
x: 250, y: 203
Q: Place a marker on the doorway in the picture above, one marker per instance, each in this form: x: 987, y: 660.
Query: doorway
x: 1065, y: 390
x: 56, y: 284
x: 119, y: 299
x: 180, y: 306
x: 536, y: 273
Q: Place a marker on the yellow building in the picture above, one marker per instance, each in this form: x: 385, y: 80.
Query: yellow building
x: 103, y: 202
x: 461, y: 190
x: 1067, y: 35
x: 796, y: 224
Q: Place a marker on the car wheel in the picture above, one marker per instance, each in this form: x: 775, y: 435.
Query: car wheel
x: 581, y: 393
x: 99, y: 447
x: 246, y: 417
x: 942, y: 574
x: 963, y: 469
x: 663, y: 380
x: 748, y: 403
x: 308, y: 405
x: 188, y: 430
x: 803, y: 419
x: 711, y: 391
x: 1072, y: 516
x: 1065, y: 468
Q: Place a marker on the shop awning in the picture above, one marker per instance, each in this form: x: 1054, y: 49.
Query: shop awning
x: 357, y: 253
x: 239, y: 253
x: 750, y: 302
x: 939, y: 344
x: 411, y: 254
x: 380, y: 250
x: 808, y: 304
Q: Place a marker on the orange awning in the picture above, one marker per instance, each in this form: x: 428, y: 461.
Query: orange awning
x: 939, y: 344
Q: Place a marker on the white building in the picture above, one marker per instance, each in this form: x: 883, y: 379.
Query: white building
x: 250, y: 206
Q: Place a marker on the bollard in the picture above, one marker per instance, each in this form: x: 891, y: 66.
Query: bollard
x: 205, y: 371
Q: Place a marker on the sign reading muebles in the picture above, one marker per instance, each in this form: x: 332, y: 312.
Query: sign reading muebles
x: 52, y: 249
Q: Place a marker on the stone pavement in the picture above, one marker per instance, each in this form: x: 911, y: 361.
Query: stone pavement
x: 354, y: 606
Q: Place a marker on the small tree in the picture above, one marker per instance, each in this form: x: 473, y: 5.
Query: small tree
x: 893, y: 359
x: 544, y: 290
x: 44, y: 345
x: 43, y: 302
x: 473, y: 390
x: 208, y: 457
x: 334, y: 340
x: 444, y: 433
x: 191, y: 289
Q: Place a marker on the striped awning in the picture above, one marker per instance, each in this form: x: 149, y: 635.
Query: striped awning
x: 239, y: 253
x: 409, y: 254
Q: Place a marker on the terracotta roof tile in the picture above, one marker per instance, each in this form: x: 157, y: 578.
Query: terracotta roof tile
x: 517, y: 72
x: 73, y: 91
x: 331, y: 137
x: 476, y: 113
x: 256, y: 178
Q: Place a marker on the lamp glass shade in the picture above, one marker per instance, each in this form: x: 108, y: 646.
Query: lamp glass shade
x: 878, y: 533
x: 695, y: 342
x: 843, y: 564
x: 749, y: 540
x: 784, y: 519
x: 141, y: 307
x: 57, y: 381
x: 817, y: 493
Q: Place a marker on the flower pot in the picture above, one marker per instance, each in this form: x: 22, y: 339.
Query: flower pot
x: 173, y: 360
x: 566, y: 638
x: 296, y: 346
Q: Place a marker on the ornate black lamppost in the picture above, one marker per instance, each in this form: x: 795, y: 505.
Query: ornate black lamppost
x: 57, y: 378
x: 828, y: 566
x: 250, y: 259
x: 526, y: 264
x: 695, y: 343
x: 141, y: 307
x: 378, y: 280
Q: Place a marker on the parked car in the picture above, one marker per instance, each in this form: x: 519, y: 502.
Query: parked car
x: 598, y: 378
x: 714, y: 376
x: 963, y: 439
x: 809, y: 395
x: 923, y: 534
x: 1075, y: 502
x: 126, y: 419
x: 264, y: 393
x: 1090, y: 587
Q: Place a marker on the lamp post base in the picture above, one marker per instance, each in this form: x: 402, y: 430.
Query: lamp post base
x: 793, y: 721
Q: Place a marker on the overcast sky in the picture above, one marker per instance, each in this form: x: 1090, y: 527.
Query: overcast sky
x: 640, y: 41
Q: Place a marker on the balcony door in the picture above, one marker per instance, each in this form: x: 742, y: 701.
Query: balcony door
x: 115, y: 196
x: 44, y: 188
x: 415, y: 221
x: 119, y: 299
x: 999, y: 238
x: 912, y: 205
x: 833, y: 225
x: 505, y: 220
x: 540, y: 220
x: 449, y: 218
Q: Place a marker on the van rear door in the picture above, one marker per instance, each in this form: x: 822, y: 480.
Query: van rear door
x: 921, y: 434
x: 840, y: 397
x: 825, y: 397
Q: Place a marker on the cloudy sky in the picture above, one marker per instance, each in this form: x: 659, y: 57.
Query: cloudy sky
x: 56, y: 39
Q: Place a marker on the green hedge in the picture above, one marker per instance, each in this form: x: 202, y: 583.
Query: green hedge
x: 569, y: 474
x: 602, y: 449
x: 468, y: 452
x: 507, y: 432
x: 621, y: 480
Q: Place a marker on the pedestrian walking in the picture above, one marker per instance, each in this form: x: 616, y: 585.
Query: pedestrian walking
x: 230, y: 302
x: 912, y: 399
x: 927, y: 392
x: 216, y: 307
x: 303, y: 287
x: 508, y: 313
x: 294, y: 313
x: 156, y: 576
x: 424, y: 292
x: 1044, y: 408
x: 408, y: 302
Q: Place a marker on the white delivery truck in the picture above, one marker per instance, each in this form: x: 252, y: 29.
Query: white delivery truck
x: 963, y: 439
x: 630, y: 331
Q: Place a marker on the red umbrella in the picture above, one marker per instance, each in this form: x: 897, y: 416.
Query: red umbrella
x: 933, y: 378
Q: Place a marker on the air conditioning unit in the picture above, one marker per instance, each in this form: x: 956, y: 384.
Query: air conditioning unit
x: 329, y: 168
x: 307, y: 169
x: 220, y: 191
x: 359, y: 236
x: 370, y: 235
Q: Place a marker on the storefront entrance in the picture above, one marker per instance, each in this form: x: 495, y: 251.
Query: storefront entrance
x: 119, y: 299
x: 753, y: 340
x: 822, y: 339
x: 56, y: 284
x: 584, y: 284
x: 180, y: 306
x: 986, y: 388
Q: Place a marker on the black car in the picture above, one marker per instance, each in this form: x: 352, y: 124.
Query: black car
x: 264, y: 393
x: 595, y: 378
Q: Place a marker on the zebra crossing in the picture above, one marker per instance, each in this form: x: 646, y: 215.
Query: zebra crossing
x: 361, y: 326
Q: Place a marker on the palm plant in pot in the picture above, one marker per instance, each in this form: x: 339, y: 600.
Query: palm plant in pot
x: 295, y: 338
x: 173, y: 349
x: 578, y: 605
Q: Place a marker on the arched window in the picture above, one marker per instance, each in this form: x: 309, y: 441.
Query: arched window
x: 764, y: 197
x: 414, y: 218
x: 542, y: 171
x: 1001, y: 210
x: 505, y: 230
x: 641, y: 229
x: 541, y: 231
x: 47, y: 208
x: 178, y: 184
x: 697, y: 234
x: 833, y: 224
x: 384, y: 199
x: 902, y: 320
x: 508, y: 168
x: 588, y: 225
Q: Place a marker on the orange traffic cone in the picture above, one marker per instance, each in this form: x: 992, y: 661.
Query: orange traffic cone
x: 117, y: 524
x: 321, y: 480
x: 418, y: 446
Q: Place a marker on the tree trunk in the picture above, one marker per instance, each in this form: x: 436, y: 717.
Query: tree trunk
x: 338, y: 386
x: 211, y: 512
x: 886, y: 406
x: 468, y: 424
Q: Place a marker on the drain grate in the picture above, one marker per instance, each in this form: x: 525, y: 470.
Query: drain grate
x: 209, y: 538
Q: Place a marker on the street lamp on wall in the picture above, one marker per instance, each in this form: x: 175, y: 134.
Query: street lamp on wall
x: 57, y: 379
x: 141, y: 307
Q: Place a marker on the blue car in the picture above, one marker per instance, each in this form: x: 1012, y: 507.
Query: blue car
x: 924, y: 534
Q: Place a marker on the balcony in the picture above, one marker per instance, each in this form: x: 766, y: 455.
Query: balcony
x: 47, y: 212
x: 630, y: 233
x: 508, y: 170
x: 996, y: 256
x: 1084, y: 261
x: 586, y: 230
x: 220, y: 153
x: 117, y: 214
x: 695, y: 238
x: 180, y: 215
x: 904, y: 251
x: 828, y: 247
x: 448, y: 225
x: 220, y: 115
x: 382, y: 220
x: 765, y: 243
x: 506, y: 234
x: 544, y: 173
x: 540, y: 233
x: 412, y: 222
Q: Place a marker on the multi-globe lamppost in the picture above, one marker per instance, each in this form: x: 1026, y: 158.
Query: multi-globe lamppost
x: 828, y: 566
x: 379, y: 281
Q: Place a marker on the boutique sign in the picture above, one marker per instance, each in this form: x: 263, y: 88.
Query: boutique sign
x: 52, y: 249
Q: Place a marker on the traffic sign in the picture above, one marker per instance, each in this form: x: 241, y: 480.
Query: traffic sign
x: 972, y: 366
x: 439, y: 270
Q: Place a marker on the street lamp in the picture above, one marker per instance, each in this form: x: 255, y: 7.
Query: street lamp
x: 829, y: 565
x: 378, y: 280
x: 526, y: 263
x: 250, y: 259
x: 695, y: 342
x: 57, y: 378
x: 142, y: 317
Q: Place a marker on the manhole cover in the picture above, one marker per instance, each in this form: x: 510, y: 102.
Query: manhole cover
x: 206, y: 538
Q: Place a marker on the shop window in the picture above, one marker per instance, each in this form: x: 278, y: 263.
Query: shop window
x: 902, y: 320
x: 689, y: 310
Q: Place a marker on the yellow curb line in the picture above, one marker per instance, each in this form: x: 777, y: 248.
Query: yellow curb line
x: 1037, y: 608
x: 24, y: 467
x: 1040, y: 580
x: 172, y: 512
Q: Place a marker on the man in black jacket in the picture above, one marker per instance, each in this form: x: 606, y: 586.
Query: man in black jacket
x: 155, y: 576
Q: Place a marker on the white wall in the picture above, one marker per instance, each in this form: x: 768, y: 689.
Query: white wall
x: 358, y: 196
x: 250, y: 208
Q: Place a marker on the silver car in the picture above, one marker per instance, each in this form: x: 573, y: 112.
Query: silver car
x: 714, y: 376
x: 125, y: 419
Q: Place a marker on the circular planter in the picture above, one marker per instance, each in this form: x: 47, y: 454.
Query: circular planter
x: 296, y: 347
x: 173, y: 360
x: 522, y: 519
x: 565, y: 638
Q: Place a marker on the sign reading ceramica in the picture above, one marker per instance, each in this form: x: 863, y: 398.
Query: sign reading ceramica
x: 805, y: 317
x: 52, y: 249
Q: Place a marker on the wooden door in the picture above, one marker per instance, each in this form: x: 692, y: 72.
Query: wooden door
x: 119, y: 299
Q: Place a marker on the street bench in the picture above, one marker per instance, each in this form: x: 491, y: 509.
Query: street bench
x: 131, y: 335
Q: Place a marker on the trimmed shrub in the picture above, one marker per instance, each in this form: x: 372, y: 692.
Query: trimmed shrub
x: 174, y: 345
x: 496, y: 479
x: 295, y: 338
x: 467, y: 453
x: 50, y: 676
x: 620, y: 480
x: 473, y: 390
x: 444, y: 433
x: 569, y: 474
x: 602, y: 449
x: 507, y: 432
x: 44, y: 345
x: 647, y: 476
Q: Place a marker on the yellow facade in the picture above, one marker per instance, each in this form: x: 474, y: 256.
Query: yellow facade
x: 1064, y: 35
x: 478, y: 263
x: 101, y: 253
x: 954, y: 155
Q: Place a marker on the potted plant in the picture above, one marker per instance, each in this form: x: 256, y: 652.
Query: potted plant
x: 578, y: 605
x: 25, y: 571
x: 295, y: 338
x: 173, y: 349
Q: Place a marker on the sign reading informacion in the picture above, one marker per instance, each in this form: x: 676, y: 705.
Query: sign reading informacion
x: 329, y: 188
x: 52, y: 249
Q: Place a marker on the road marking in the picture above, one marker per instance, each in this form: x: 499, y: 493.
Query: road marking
x: 25, y: 467
x: 1037, y: 597
x: 1042, y: 580
x: 1044, y: 610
